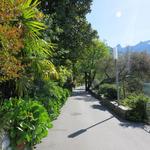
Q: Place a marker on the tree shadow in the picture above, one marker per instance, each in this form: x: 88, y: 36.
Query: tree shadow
x: 127, y: 124
x: 76, y: 114
x: 81, y: 131
x: 122, y: 122
x: 83, y: 95
x: 79, y: 93
x: 99, y: 107
x: 86, y: 98
x: 147, y: 128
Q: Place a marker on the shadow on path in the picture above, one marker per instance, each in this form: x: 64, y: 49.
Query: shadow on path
x: 81, y: 94
x: 99, y: 107
x: 127, y: 124
x: 79, y: 132
x: 122, y: 122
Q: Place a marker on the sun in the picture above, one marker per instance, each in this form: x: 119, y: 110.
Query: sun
x: 119, y: 14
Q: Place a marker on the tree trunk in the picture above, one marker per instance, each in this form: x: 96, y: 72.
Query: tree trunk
x: 74, y: 71
x: 86, y: 81
x: 124, y: 91
x: 91, y: 78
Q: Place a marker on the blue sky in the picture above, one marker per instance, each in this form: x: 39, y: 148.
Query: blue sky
x: 124, y: 22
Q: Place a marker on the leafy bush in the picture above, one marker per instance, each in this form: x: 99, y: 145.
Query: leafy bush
x: 134, y: 85
x: 28, y: 121
x: 52, y: 97
x: 52, y: 106
x: 137, y: 104
x: 109, y: 91
x: 64, y: 74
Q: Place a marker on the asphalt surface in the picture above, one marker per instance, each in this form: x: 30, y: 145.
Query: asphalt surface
x: 84, y: 124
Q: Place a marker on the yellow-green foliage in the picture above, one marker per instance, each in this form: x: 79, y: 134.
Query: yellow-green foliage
x: 20, y: 26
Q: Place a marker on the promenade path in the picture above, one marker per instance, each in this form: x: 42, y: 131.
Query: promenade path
x: 84, y: 124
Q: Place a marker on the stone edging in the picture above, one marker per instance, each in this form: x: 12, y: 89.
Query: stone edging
x: 118, y: 110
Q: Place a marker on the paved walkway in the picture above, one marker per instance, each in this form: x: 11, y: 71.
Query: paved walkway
x: 84, y: 124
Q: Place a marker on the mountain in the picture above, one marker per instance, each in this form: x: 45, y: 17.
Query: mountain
x: 140, y: 47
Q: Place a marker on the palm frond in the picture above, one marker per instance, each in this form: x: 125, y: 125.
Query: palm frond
x: 38, y: 47
x: 29, y: 12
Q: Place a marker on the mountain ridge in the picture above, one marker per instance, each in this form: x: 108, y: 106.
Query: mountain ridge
x: 143, y: 46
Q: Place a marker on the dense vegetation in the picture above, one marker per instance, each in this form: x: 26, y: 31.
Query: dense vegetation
x: 134, y: 71
x: 44, y: 46
x: 137, y: 103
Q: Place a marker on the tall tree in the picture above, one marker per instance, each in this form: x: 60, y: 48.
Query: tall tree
x: 74, y: 32
x: 89, y: 59
x: 23, y: 52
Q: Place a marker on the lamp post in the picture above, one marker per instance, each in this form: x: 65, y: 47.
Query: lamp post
x: 115, y: 54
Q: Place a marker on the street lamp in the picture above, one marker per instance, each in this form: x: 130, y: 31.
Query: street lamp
x: 115, y: 54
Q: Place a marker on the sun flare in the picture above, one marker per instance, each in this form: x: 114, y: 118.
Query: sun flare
x: 118, y: 14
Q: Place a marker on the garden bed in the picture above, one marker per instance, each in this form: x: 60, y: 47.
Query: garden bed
x: 119, y: 110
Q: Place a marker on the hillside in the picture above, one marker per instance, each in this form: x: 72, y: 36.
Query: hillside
x: 140, y: 47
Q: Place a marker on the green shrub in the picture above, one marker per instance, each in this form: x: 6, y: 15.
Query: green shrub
x: 137, y: 104
x: 52, y: 97
x: 134, y: 85
x: 109, y: 91
x: 49, y: 89
x: 53, y: 104
x: 29, y: 121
